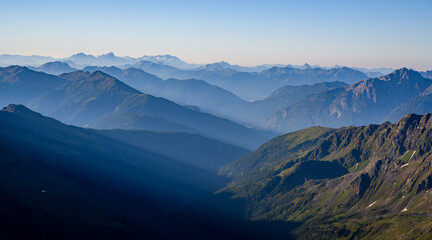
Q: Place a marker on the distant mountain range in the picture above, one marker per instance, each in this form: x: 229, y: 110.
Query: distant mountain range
x: 34, y: 60
x: 253, y: 86
x: 368, y: 182
x: 186, y: 92
x: 100, y: 101
x: 81, y: 60
x: 213, y: 99
x: 372, y: 101
x: 292, y: 107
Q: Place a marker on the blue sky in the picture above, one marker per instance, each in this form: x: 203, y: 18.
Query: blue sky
x: 351, y: 33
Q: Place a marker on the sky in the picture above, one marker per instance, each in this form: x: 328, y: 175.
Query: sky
x: 362, y: 33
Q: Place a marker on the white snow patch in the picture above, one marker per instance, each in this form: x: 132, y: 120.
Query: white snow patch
x: 412, y: 156
x: 370, y: 205
x: 406, y: 164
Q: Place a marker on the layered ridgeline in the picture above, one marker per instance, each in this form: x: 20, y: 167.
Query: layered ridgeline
x: 207, y: 97
x: 81, y: 60
x: 20, y: 85
x: 355, y: 182
x: 98, y: 100
x: 289, y: 108
x: 255, y: 85
x: 213, y: 99
x: 65, y: 182
x: 375, y: 100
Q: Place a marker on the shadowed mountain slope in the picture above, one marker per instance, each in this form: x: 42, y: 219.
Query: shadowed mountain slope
x: 63, y: 178
x: 65, y: 182
x: 192, y: 149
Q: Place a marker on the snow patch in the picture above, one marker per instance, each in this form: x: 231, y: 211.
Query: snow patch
x: 412, y: 156
x: 406, y: 164
x: 370, y: 205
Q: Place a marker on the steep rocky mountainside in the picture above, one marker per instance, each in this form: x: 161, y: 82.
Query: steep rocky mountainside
x: 368, y: 182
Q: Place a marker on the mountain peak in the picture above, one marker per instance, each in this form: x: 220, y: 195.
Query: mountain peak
x: 17, y: 109
x: 412, y: 121
x: 58, y: 63
x: 306, y: 66
x: 403, y: 74
x: 81, y: 54
x: 108, y: 55
x: 85, y: 75
x: 11, y: 108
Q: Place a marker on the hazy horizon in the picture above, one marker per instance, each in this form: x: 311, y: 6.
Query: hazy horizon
x: 365, y: 34
x: 203, y: 63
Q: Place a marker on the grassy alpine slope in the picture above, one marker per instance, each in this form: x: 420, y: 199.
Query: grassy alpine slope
x: 369, y: 182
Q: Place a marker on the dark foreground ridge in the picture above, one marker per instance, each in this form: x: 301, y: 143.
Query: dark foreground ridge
x: 65, y: 182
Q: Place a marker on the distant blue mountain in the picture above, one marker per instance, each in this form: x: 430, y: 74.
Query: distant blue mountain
x: 374, y: 100
x: 55, y: 68
x: 255, y: 85
x: 34, y: 60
